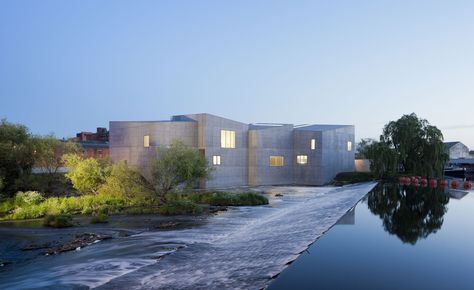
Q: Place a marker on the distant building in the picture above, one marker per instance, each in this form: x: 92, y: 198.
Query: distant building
x: 242, y: 154
x: 457, y: 150
x: 91, y: 144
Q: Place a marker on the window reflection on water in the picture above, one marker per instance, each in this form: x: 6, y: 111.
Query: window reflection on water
x: 408, y: 212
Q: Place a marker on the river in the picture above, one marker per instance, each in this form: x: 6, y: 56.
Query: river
x: 242, y: 248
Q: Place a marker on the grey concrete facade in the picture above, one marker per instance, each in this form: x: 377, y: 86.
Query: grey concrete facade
x: 261, y: 154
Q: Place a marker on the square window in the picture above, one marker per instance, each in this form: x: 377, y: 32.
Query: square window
x: 276, y: 161
x: 227, y: 139
x: 216, y: 160
x: 302, y: 159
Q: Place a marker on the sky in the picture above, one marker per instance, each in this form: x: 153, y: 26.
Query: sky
x: 71, y: 66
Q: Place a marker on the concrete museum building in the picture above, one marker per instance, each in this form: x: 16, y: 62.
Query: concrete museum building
x: 242, y: 154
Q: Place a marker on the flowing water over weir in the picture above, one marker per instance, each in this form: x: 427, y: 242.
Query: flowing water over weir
x: 242, y: 248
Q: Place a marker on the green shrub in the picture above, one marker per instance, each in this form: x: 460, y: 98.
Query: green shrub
x: 27, y: 205
x: 221, y: 198
x: 30, y: 197
x: 101, y: 218
x: 180, y: 208
x: 7, y: 205
x: 344, y: 178
x: 125, y: 182
x: 58, y: 221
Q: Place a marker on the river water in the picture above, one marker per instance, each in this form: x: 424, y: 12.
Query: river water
x: 397, y: 237
x: 243, y: 248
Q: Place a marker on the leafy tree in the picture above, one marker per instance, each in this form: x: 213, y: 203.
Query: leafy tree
x: 16, y: 154
x: 176, y: 165
x: 49, y: 152
x: 125, y: 182
x: 409, y: 145
x: 363, y: 148
x: 86, y: 175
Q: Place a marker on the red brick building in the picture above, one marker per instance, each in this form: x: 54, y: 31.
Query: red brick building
x: 93, y: 144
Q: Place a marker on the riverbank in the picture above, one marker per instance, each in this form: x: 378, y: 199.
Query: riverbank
x: 243, y: 247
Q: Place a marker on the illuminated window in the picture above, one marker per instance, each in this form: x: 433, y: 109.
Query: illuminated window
x: 227, y: 139
x: 216, y: 160
x: 349, y: 146
x: 276, y: 160
x: 302, y: 159
x: 146, y: 141
x: 313, y: 144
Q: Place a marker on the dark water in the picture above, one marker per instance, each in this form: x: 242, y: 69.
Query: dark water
x: 396, y: 238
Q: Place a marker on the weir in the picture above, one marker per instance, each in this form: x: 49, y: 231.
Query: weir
x: 242, y: 248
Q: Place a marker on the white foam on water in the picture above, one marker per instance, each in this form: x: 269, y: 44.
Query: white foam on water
x: 242, y: 248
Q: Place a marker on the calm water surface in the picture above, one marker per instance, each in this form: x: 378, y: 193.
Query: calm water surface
x: 395, y: 238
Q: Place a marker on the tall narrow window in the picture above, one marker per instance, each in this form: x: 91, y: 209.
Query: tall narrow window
x: 276, y: 160
x: 313, y: 144
x: 349, y: 145
x: 216, y: 160
x: 227, y: 139
x: 146, y: 141
x: 302, y: 159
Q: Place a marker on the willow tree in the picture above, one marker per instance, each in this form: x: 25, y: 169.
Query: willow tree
x: 409, y: 145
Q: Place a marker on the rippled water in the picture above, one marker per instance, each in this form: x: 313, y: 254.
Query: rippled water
x: 242, y: 248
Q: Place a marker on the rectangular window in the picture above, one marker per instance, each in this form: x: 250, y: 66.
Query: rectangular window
x: 216, y: 160
x: 276, y: 160
x: 227, y: 139
x: 146, y: 141
x: 302, y: 159
x: 349, y: 146
x: 313, y: 144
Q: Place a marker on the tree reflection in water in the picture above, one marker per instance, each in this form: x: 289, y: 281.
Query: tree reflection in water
x: 409, y: 212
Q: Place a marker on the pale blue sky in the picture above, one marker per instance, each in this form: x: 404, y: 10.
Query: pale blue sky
x: 68, y: 66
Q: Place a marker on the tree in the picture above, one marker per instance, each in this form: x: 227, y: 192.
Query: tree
x: 409, y: 213
x: 125, y: 182
x: 49, y: 152
x: 176, y: 165
x: 409, y: 145
x: 16, y: 154
x: 363, y: 148
x: 86, y: 175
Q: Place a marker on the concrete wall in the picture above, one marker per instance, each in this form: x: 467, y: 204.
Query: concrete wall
x: 308, y: 174
x: 249, y: 162
x: 126, y: 140
x: 233, y: 170
x: 458, y: 151
x: 273, y: 141
x: 335, y: 156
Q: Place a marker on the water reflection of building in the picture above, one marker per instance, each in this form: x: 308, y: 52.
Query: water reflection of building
x: 348, y: 218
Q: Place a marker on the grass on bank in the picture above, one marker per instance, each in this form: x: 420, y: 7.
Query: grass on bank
x: 30, y: 205
x: 16, y: 208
